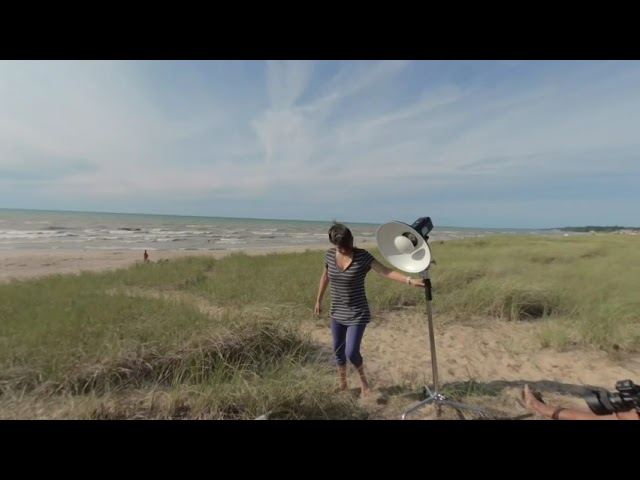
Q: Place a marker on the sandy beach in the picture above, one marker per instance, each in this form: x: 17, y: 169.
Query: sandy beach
x: 19, y: 264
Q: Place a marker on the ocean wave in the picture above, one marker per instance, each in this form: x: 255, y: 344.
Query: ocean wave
x: 234, y: 241
x: 33, y: 234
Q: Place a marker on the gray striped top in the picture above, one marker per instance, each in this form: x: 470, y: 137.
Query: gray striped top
x: 349, y: 305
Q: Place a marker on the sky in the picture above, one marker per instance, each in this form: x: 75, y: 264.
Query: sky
x: 504, y: 144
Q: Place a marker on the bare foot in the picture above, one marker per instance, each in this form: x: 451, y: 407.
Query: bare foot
x: 531, y: 400
x: 363, y: 381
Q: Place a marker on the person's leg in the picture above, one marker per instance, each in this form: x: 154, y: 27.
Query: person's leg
x: 354, y: 340
x: 339, y: 334
x: 559, y: 413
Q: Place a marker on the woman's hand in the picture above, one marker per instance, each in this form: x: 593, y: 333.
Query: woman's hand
x: 318, y: 309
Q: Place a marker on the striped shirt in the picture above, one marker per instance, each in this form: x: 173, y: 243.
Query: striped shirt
x: 349, y: 305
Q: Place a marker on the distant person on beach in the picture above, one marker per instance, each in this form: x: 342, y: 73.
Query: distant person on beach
x: 345, y: 269
x: 146, y: 257
x: 535, y: 403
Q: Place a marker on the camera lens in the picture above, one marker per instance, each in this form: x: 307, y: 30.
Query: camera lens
x: 606, y: 403
x: 596, y: 404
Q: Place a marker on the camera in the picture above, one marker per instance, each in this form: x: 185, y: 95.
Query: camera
x: 602, y: 402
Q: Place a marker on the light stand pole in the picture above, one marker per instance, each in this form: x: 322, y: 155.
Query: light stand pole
x: 435, y: 396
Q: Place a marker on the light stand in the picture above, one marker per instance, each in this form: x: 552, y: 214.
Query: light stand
x: 406, y: 247
x: 435, y: 396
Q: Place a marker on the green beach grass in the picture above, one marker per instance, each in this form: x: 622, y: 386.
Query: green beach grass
x: 224, y: 338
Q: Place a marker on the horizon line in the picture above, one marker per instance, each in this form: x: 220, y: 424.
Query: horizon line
x: 299, y: 220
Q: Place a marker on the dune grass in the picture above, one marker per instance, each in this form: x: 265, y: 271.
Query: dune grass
x: 222, y: 338
x: 79, y: 346
x: 584, y: 289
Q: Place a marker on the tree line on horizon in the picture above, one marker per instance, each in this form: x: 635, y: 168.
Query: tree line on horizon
x: 593, y: 228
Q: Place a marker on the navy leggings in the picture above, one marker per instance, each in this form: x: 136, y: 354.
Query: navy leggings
x: 346, y: 343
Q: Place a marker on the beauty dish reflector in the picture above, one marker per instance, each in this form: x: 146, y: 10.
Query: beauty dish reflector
x: 404, y: 247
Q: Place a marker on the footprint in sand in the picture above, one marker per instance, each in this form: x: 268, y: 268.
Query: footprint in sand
x: 374, y: 398
x: 513, y: 367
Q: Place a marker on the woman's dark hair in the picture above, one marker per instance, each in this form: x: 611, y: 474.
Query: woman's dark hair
x: 341, y: 236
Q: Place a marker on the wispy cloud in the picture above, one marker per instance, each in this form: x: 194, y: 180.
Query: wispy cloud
x: 303, y: 138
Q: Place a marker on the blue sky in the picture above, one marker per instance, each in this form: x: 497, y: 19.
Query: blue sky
x: 470, y: 143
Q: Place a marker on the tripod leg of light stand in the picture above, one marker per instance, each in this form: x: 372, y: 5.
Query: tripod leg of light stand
x: 429, y: 400
x: 462, y: 406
